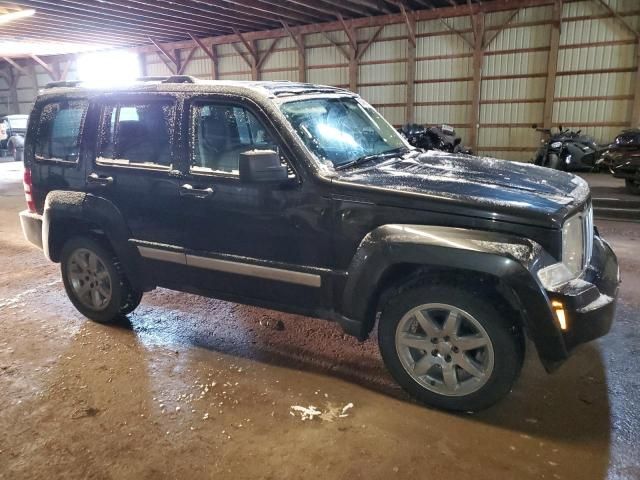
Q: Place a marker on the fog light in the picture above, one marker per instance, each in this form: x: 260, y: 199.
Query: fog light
x: 559, y: 309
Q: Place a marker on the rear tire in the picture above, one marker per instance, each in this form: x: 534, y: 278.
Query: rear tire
x: 461, y: 355
x: 94, y: 281
x: 632, y: 186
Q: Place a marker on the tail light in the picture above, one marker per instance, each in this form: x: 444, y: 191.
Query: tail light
x: 27, y: 182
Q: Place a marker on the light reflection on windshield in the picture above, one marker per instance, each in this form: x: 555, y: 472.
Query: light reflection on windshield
x: 341, y: 130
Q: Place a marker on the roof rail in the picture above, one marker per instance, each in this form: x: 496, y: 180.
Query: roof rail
x: 180, y: 79
x: 153, y: 78
x: 64, y: 83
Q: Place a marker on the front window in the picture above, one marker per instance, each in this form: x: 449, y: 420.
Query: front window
x: 220, y: 133
x: 341, y: 130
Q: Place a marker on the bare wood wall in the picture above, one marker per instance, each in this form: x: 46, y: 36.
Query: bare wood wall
x: 492, y: 75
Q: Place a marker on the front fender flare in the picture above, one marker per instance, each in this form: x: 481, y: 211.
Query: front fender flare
x: 508, y: 258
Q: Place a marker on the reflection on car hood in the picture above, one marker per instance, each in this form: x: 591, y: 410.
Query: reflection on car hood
x: 477, y: 181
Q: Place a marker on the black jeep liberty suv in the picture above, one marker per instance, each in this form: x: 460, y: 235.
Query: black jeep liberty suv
x: 302, y: 198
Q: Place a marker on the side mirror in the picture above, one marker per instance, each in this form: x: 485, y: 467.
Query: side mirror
x: 261, y: 166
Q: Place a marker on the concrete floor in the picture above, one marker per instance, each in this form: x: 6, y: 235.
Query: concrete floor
x: 198, y: 388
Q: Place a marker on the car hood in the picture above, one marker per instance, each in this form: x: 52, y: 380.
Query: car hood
x: 485, y: 184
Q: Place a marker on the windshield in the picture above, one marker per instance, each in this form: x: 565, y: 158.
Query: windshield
x: 341, y: 130
x: 19, y: 123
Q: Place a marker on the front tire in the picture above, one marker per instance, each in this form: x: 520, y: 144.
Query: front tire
x: 450, y: 348
x: 94, y: 281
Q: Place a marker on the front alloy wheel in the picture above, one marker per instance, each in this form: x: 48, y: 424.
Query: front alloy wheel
x: 444, y: 349
x: 451, y: 346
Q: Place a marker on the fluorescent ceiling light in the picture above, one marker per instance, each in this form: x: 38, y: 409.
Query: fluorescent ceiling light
x: 10, y: 17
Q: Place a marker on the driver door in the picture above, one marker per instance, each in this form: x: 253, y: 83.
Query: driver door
x: 261, y: 241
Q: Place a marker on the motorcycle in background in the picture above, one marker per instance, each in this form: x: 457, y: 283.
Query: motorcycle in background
x: 441, y: 137
x: 622, y: 158
x: 567, y: 150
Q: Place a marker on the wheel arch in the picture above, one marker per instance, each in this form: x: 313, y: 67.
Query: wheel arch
x: 395, y: 257
x: 70, y: 214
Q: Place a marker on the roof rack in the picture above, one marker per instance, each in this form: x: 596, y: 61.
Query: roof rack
x: 168, y: 79
x: 180, y: 79
x: 64, y: 83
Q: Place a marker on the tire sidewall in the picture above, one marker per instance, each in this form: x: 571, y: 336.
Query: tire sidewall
x: 508, y: 353
x: 113, y: 309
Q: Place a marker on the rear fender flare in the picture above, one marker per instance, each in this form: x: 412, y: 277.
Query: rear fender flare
x: 86, y: 212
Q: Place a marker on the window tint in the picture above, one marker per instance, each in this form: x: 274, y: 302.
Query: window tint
x: 136, y: 133
x: 59, y: 130
x: 221, y: 133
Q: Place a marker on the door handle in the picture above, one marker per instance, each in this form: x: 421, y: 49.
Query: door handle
x: 187, y: 190
x: 101, y: 180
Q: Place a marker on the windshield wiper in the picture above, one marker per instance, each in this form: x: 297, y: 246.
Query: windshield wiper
x: 368, y: 158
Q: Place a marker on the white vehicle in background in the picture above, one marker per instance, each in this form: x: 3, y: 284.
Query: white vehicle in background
x: 12, y: 131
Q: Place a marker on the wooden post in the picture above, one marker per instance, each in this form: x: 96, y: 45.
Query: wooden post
x: 411, y: 69
x: 552, y: 65
x: 214, y: 63
x: 635, y: 115
x: 302, y: 59
x: 255, y: 71
x: 14, y: 106
x: 478, y: 58
x: 142, y: 60
x: 32, y: 73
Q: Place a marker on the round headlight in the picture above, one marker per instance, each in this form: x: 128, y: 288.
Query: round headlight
x: 556, y: 144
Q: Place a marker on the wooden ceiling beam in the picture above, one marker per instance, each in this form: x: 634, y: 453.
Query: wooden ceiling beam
x: 210, y: 52
x: 184, y: 63
x: 410, y: 25
x: 169, y: 60
x: 248, y: 45
x: 46, y: 66
x: 214, y: 12
x: 35, y: 34
x: 113, y: 13
x: 17, y: 66
x: 117, y: 29
x: 619, y: 18
x: 362, y: 50
x: 502, y: 26
x: 282, y: 10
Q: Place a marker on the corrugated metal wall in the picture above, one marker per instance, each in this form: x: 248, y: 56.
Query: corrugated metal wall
x: 594, y: 85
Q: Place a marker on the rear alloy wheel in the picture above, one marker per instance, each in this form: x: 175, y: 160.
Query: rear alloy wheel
x: 449, y: 348
x: 94, y: 281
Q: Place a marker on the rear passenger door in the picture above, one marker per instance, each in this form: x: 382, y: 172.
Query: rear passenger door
x: 135, y: 166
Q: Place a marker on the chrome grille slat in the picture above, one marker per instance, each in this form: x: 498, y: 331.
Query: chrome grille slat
x: 587, y: 222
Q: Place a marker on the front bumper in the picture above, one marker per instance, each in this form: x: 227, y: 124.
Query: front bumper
x: 32, y: 227
x: 590, y: 301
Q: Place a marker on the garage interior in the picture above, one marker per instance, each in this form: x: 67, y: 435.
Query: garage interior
x: 192, y: 387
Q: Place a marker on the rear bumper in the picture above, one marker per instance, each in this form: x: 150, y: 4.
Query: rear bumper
x: 590, y: 301
x: 32, y: 227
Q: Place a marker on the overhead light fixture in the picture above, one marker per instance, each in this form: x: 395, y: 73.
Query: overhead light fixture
x: 10, y: 17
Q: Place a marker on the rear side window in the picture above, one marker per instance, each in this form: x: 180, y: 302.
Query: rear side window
x: 136, y: 134
x: 59, y: 130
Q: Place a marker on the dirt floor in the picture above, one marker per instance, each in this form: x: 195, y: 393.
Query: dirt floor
x: 198, y: 388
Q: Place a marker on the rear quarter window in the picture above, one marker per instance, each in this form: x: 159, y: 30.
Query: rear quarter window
x: 59, y: 130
